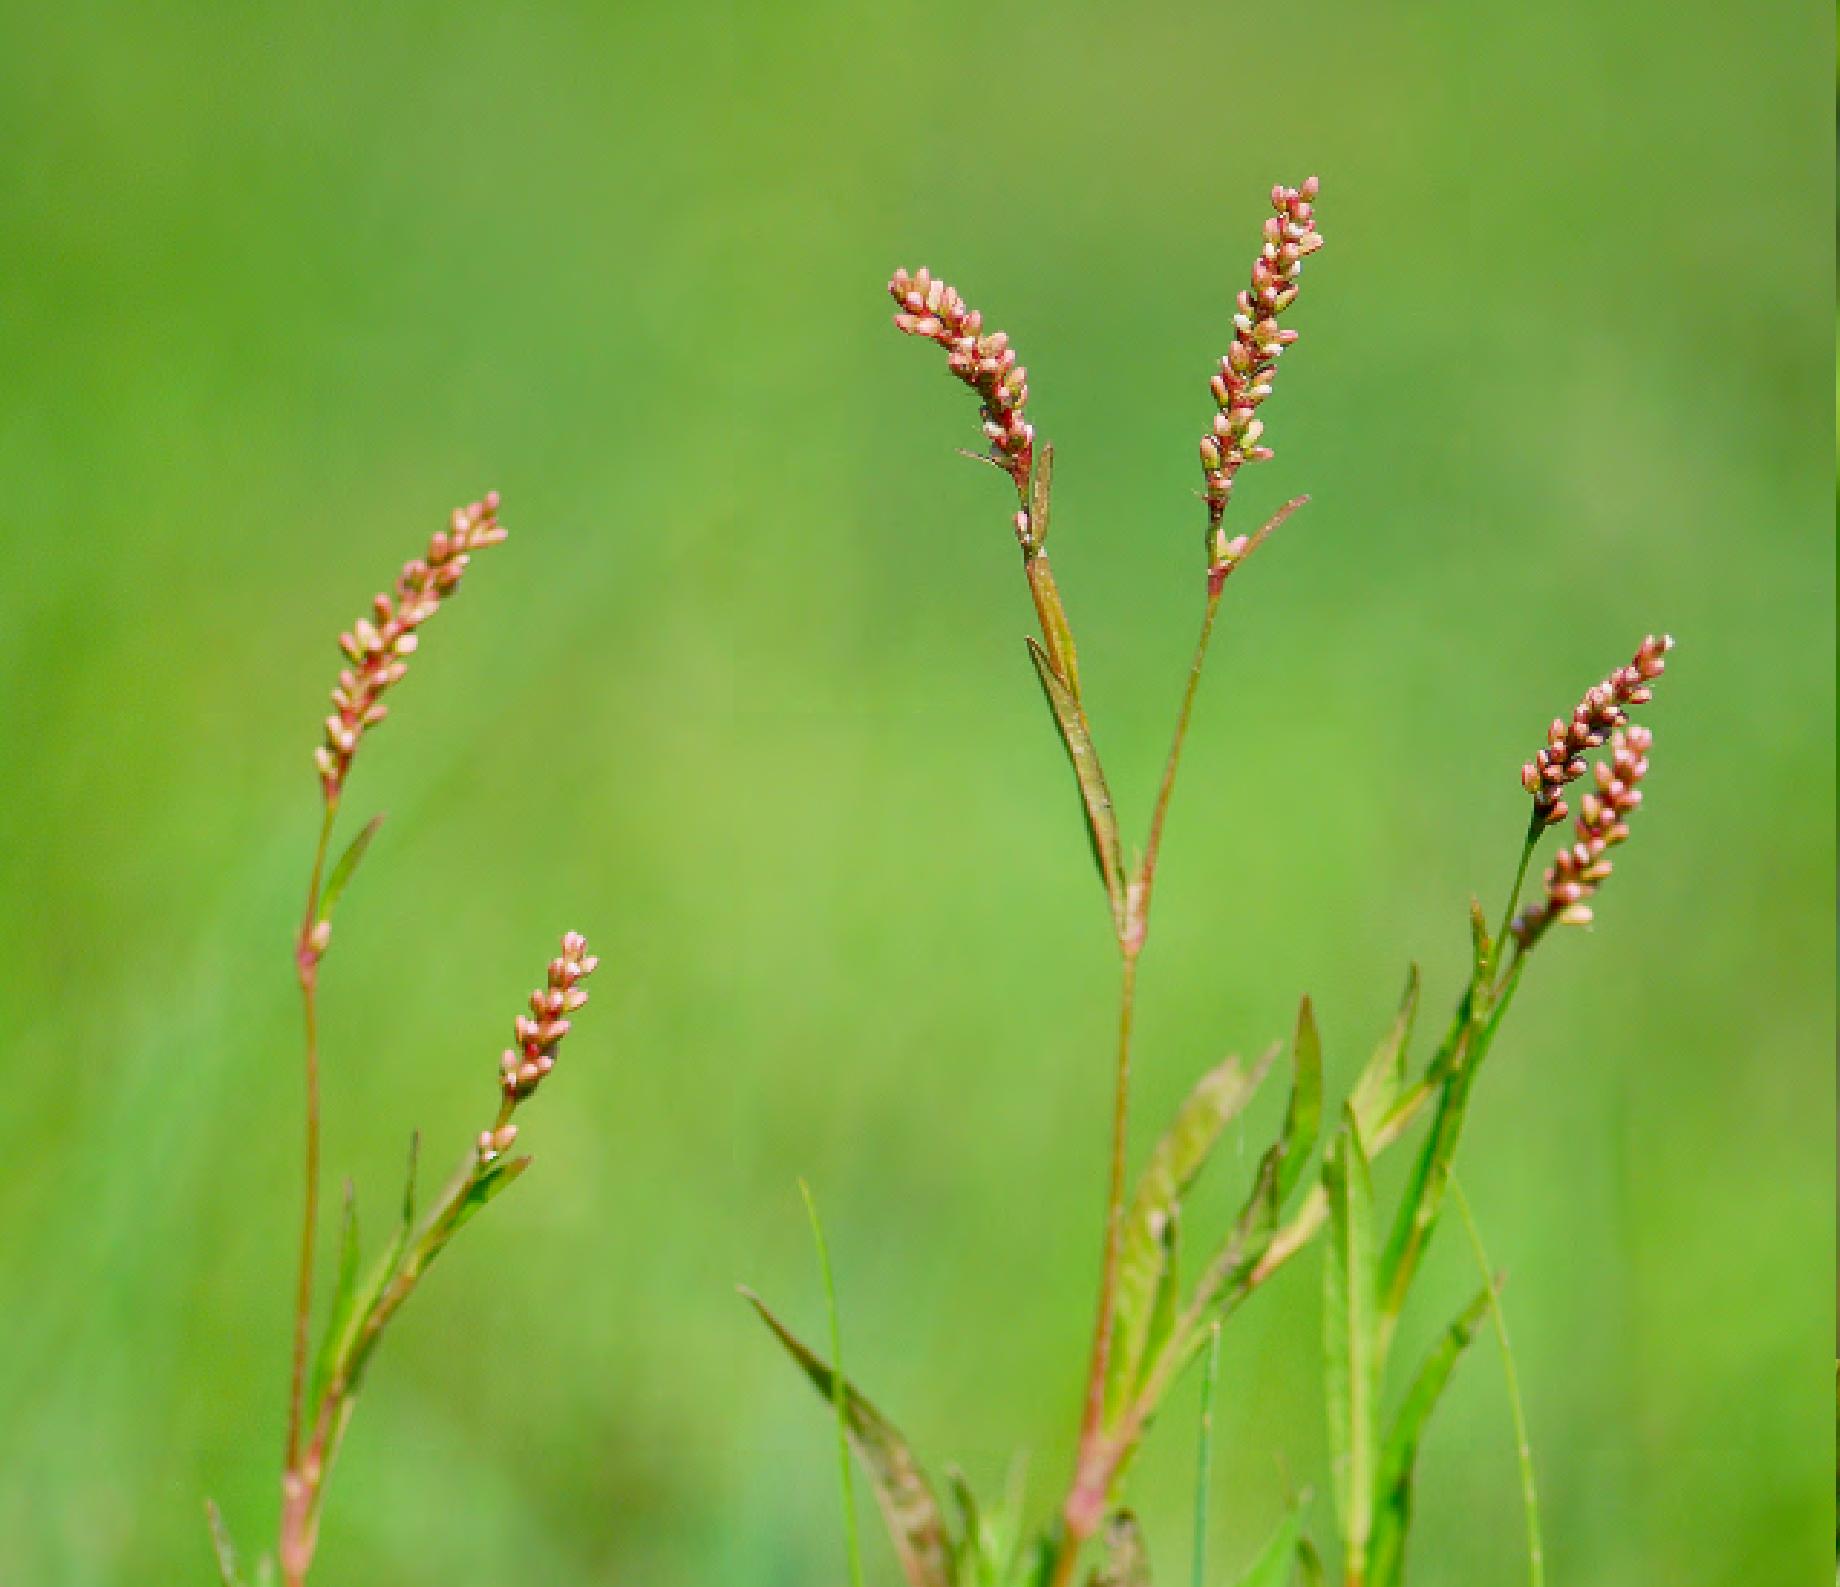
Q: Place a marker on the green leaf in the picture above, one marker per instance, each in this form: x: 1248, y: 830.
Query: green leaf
x: 486, y: 1185
x: 1309, y: 1564
x: 1148, y: 1240
x: 907, y: 1501
x: 1101, y: 819
x: 1383, y: 1081
x: 344, y: 1299
x: 1351, y: 1348
x: 1303, y: 1117
x: 1480, y: 948
x: 1124, y: 1560
x: 346, y: 864
x: 1278, y: 1172
x: 1393, y: 1482
x: 1430, y: 1175
x: 350, y: 1353
x: 1273, y: 1564
x: 225, y: 1550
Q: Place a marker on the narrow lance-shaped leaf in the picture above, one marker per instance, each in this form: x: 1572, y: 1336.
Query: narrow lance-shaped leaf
x: 344, y: 1299
x: 1148, y: 1236
x: 346, y: 865
x: 1351, y: 1348
x: 1430, y: 1176
x: 1125, y: 1558
x: 1101, y: 819
x: 1393, y: 1480
x: 907, y: 1501
x: 1278, y: 1172
x: 1303, y: 1117
x: 1383, y: 1081
x: 347, y: 1356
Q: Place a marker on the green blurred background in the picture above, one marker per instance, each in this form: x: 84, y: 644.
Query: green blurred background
x: 744, y: 697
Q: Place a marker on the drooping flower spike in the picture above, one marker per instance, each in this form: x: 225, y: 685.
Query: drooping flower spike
x: 377, y: 648
x: 1604, y: 708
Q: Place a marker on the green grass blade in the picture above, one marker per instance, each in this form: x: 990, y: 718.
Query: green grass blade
x: 845, y: 1478
x: 1147, y: 1249
x: 1351, y: 1345
x: 1393, y: 1481
x: 1204, y: 1456
x: 1523, y: 1446
x: 1303, y: 1117
x: 1101, y: 819
x: 914, y: 1519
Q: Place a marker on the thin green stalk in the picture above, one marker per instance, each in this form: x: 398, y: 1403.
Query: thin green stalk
x: 1535, y: 830
x: 1204, y: 1455
x: 1530, y: 1495
x: 306, y: 958
x: 839, y: 1390
x: 1146, y: 875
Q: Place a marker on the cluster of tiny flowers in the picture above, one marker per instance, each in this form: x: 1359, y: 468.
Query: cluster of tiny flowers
x: 1246, y: 372
x: 539, y: 1034
x: 987, y: 364
x: 1603, y: 822
x: 378, y: 647
x: 1604, y: 709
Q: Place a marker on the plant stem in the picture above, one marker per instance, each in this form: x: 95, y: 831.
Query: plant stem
x: 1536, y: 828
x: 1094, y: 1414
x: 845, y: 1480
x: 306, y: 964
x: 1204, y: 1457
x: 1147, y: 870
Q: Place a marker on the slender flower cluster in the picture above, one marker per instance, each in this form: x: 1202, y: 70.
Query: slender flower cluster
x: 539, y: 1034
x: 1603, y: 822
x: 1244, y: 381
x: 987, y: 364
x: 1604, y: 709
x: 378, y: 647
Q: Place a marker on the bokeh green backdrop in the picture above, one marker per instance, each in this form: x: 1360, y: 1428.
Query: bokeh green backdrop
x: 744, y: 697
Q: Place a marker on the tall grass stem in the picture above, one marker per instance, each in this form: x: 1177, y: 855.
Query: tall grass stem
x: 839, y: 1391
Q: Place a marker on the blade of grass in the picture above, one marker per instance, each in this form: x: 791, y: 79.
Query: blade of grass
x: 1530, y: 1493
x: 839, y: 1402
x: 1204, y: 1455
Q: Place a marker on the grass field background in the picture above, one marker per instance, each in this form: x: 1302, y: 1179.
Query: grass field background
x: 744, y: 698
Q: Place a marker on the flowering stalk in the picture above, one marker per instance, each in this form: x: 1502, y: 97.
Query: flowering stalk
x: 377, y: 649
x: 360, y: 1317
x: 931, y: 309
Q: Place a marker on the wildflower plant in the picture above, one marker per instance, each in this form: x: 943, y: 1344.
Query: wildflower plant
x: 323, y: 1384
x: 1152, y: 1318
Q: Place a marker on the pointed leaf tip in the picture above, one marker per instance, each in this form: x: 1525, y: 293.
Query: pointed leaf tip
x: 909, y: 1507
x: 347, y: 864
